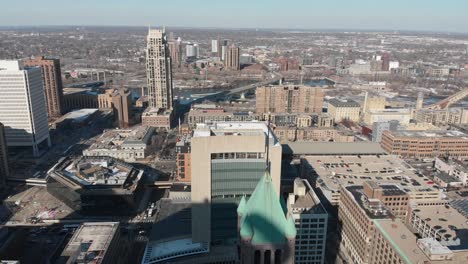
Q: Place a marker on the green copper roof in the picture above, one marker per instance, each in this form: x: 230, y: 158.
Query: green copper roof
x: 263, y: 216
x: 241, y: 207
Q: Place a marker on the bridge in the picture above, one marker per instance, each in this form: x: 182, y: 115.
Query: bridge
x: 445, y: 103
x: 276, y: 77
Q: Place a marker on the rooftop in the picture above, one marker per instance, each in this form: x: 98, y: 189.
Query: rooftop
x: 90, y: 242
x: 253, y: 128
x: 450, y: 225
x: 154, y: 111
x: 339, y: 103
x: 387, y: 170
x: 305, y: 198
x: 332, y: 148
x: 96, y: 172
x: 402, y: 240
x: 116, y: 138
x: 374, y: 208
x: 431, y: 134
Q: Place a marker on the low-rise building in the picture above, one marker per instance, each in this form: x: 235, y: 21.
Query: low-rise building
x: 212, y: 115
x: 79, y: 98
x: 426, y: 144
x: 288, y: 133
x: 403, y: 116
x: 96, y: 185
x: 157, y: 117
x: 125, y: 144
x: 449, y: 116
x: 97, y: 243
x: 329, y: 173
x: 453, y: 167
x: 344, y: 110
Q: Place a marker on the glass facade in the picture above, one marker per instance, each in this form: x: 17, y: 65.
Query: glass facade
x: 233, y: 175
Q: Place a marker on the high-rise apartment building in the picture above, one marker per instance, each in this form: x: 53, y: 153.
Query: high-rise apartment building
x: 23, y: 105
x: 53, y: 88
x: 289, y: 99
x: 175, y: 49
x: 223, y: 50
x: 232, y: 58
x: 4, y: 171
x: 122, y: 106
x: 227, y: 161
x: 386, y: 62
x: 158, y: 70
x: 310, y: 219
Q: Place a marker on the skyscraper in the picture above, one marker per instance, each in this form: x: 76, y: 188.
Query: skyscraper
x: 23, y: 105
x: 223, y: 50
x: 158, y: 70
x: 227, y: 161
x: 232, y: 58
x: 385, y: 62
x: 52, y: 83
x: 4, y: 171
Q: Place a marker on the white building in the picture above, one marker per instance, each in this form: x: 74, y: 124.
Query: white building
x: 23, y: 106
x: 191, y: 50
x: 393, y: 65
x: 158, y: 70
x: 453, y: 168
x: 401, y: 115
x: 214, y: 45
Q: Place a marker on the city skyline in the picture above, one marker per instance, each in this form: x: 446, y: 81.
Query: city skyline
x: 418, y: 15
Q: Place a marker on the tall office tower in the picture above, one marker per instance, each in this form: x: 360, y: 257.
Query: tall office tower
x: 4, y: 171
x: 420, y: 101
x: 158, y: 70
x: 310, y: 218
x: 214, y: 46
x: 228, y: 159
x: 52, y: 83
x: 23, y: 106
x: 385, y: 62
x: 175, y: 50
x: 289, y: 99
x: 224, y: 48
x: 122, y: 106
x: 266, y: 234
x: 232, y: 58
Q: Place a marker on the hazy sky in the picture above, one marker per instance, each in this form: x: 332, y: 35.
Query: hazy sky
x: 436, y: 15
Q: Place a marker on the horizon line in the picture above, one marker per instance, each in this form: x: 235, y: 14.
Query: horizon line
x: 246, y: 28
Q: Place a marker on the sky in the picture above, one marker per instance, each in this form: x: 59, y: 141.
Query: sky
x: 425, y: 15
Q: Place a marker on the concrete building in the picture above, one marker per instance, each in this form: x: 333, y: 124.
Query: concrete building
x: 158, y: 70
x: 439, y: 221
x: 403, y: 116
x: 97, y: 243
x: 452, y: 167
x: 449, y: 116
x: 228, y: 159
x: 183, y: 159
x: 128, y: 145
x: 96, y: 185
x: 233, y: 58
x: 214, y: 46
x: 4, y: 168
x: 427, y: 144
x: 325, y: 120
x: 310, y: 219
x: 213, y: 115
x: 105, y: 99
x: 372, y: 103
x: 23, y: 106
x: 289, y: 99
x: 52, y: 76
x: 223, y: 49
x: 344, y: 110
x: 332, y: 171
x: 292, y: 133
x: 379, y: 127
x: 122, y: 107
x: 266, y: 232
x: 303, y: 121
x: 157, y: 117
